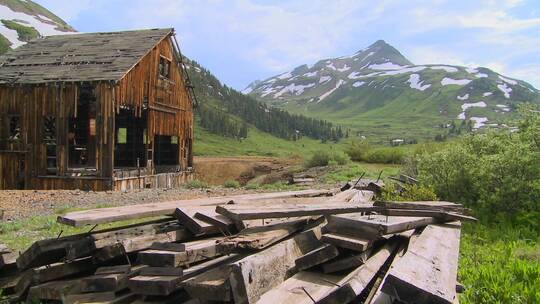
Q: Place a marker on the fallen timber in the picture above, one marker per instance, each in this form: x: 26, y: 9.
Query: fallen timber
x: 292, y: 247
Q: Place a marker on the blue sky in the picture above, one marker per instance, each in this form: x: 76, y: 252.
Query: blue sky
x: 244, y: 40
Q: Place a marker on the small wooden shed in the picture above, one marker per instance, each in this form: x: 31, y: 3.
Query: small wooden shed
x: 96, y: 111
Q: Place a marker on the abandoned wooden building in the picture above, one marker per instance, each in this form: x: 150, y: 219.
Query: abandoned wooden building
x: 96, y: 111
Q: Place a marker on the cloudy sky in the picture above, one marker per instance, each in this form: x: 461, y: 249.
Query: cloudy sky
x: 244, y: 40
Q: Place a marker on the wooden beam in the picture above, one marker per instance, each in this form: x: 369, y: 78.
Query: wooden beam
x: 373, y: 226
x: 348, y: 242
x: 107, y: 215
x: 316, y: 256
x: 246, y: 212
x: 302, y: 288
x: 186, y: 217
x: 222, y: 223
x: 421, y: 205
x: 213, y: 285
x: 256, y: 274
x: 427, y: 273
x: 346, y: 262
x: 445, y: 216
x: 355, y: 282
x: 194, y: 251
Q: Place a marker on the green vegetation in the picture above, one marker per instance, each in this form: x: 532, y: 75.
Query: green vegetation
x: 32, y: 8
x: 324, y: 158
x: 26, y: 33
x: 258, y: 143
x: 362, y: 150
x: 498, y: 176
x: 231, y: 184
x: 4, y: 44
x: 195, y: 184
x: 352, y: 171
x: 499, y: 264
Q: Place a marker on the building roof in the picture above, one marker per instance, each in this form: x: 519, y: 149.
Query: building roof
x: 78, y: 57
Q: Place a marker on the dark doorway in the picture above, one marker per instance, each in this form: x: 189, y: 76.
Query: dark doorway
x: 130, y: 139
x: 82, y: 130
x: 165, y: 150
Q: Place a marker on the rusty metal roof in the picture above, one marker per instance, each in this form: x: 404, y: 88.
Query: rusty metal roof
x: 78, y: 57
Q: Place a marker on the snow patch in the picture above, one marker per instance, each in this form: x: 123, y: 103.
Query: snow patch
x: 486, y: 94
x: 385, y: 66
x: 358, y: 83
x: 247, y: 90
x: 285, y: 76
x: 505, y: 89
x: 344, y: 68
x: 503, y: 108
x: 450, y: 81
x: 508, y: 80
x: 338, y: 84
x: 324, y: 79
x: 404, y: 71
x: 310, y: 74
x: 331, y: 66
x: 479, y: 122
x: 481, y: 75
x: 464, y: 97
x: 294, y: 89
x: 415, y: 83
x: 479, y: 104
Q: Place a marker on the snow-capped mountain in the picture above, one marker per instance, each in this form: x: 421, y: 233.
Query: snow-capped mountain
x: 380, y: 85
x: 23, y: 20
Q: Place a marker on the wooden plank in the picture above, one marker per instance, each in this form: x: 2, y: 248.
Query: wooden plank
x: 427, y: 273
x: 257, y: 238
x: 444, y: 216
x: 95, y: 297
x: 105, y: 280
x: 186, y: 217
x: 355, y: 282
x: 213, y: 285
x: 302, y: 288
x: 421, y: 205
x: 348, y: 242
x: 316, y: 256
x: 256, y: 274
x: 162, y: 271
x: 211, y: 217
x: 177, y: 247
x: 194, y: 251
x: 163, y: 285
x: 243, y: 212
x: 346, y: 262
x: 52, y: 291
x: 373, y: 226
x: 106, y: 215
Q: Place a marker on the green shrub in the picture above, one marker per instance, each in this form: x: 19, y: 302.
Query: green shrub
x: 323, y: 158
x: 252, y: 186
x: 497, y: 174
x: 409, y: 193
x: 195, y: 184
x: 25, y: 33
x: 231, y: 184
x: 363, y: 151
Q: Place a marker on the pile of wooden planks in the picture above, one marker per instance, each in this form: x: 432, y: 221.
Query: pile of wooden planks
x: 311, y: 246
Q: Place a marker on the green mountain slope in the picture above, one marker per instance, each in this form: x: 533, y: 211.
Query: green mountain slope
x: 21, y: 21
x: 382, y: 95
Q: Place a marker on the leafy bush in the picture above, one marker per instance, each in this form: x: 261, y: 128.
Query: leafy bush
x: 195, y: 184
x: 497, y: 174
x: 323, y: 158
x: 231, y: 184
x: 410, y: 193
x: 363, y: 151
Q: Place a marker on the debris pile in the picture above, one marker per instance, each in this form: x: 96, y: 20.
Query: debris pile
x: 310, y: 246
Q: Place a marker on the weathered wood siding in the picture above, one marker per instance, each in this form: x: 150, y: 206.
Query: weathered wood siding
x: 170, y: 113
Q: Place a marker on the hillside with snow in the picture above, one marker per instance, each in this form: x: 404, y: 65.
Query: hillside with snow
x: 377, y: 88
x: 23, y: 20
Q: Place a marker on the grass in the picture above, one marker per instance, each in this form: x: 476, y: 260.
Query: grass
x: 257, y: 144
x: 499, y: 264
x: 4, y: 44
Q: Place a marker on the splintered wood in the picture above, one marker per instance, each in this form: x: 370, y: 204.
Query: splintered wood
x: 312, y: 246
